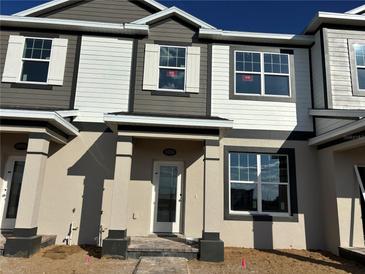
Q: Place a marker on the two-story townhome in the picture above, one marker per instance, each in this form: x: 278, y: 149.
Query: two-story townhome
x: 128, y: 118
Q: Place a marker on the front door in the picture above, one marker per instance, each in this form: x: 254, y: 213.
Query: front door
x: 10, y: 191
x: 167, y: 197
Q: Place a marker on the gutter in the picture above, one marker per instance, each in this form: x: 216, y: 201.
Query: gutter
x: 256, y: 37
x: 52, y: 117
x: 73, y: 25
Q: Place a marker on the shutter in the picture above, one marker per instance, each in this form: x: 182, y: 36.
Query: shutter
x: 57, y: 62
x: 193, y: 70
x: 13, y: 61
x: 150, y: 73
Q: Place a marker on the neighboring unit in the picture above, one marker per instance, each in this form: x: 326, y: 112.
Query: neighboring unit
x: 127, y: 118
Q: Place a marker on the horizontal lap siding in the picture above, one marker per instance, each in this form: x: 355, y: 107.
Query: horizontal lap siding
x: 172, y: 31
x: 340, y: 70
x: 104, y: 77
x: 59, y: 97
x: 112, y: 11
x: 324, y: 125
x: 261, y: 115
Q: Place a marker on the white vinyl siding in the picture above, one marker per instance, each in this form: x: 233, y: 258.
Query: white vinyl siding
x: 13, y: 61
x: 103, y: 78
x: 340, y: 78
x: 261, y: 115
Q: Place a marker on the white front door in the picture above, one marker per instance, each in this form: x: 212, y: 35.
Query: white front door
x: 167, y: 196
x: 10, y: 191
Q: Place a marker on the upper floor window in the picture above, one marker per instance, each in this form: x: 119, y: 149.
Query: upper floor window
x: 258, y: 73
x: 360, y: 65
x: 36, y: 58
x: 172, y: 68
x: 258, y: 183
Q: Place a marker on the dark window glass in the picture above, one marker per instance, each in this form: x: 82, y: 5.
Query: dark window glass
x: 243, y: 166
x: 34, y: 48
x: 167, y: 188
x: 243, y: 197
x: 248, y: 61
x: 172, y: 57
x: 34, y: 71
x: 274, y: 198
x: 361, y: 77
x: 276, y: 85
x: 248, y: 83
x: 274, y: 169
x: 14, y: 194
x: 276, y: 63
x: 172, y: 79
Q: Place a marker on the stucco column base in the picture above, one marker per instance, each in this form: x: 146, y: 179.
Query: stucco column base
x: 24, y: 243
x: 116, y: 245
x: 211, y: 247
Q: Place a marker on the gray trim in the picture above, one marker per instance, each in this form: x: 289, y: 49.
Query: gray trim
x: 35, y: 135
x: 125, y: 139
x: 214, y: 143
x: 170, y: 93
x: 92, y: 126
x: 354, y: 77
x: 209, y: 80
x: 170, y: 43
x: 268, y: 134
x: 31, y: 86
x: 39, y: 35
x: 311, y: 86
x: 338, y: 113
x: 326, y: 70
x: 233, y: 96
x: 292, y: 185
x: 75, y: 72
x: 124, y: 155
x: 37, y: 153
x: 132, y: 82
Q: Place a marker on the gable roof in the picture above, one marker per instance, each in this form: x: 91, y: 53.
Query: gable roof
x: 158, y: 16
x: 51, y: 5
x: 358, y: 10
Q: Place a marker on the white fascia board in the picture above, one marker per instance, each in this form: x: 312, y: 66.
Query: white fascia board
x: 76, y: 25
x: 334, y: 18
x: 34, y: 115
x: 55, y: 3
x: 357, y: 10
x: 292, y: 39
x: 173, y: 10
x: 68, y: 113
x: 166, y: 121
x: 338, y: 133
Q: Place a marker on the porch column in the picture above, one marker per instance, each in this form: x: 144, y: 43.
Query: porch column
x: 116, y: 244
x: 211, y: 246
x: 25, y: 241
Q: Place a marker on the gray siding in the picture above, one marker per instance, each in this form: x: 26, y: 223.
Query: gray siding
x: 317, y: 73
x: 112, y: 11
x: 170, y: 30
x: 324, y: 125
x: 339, y: 70
x: 58, y: 97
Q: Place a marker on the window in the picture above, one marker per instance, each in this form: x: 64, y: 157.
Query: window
x: 360, y: 65
x: 258, y: 183
x: 35, y: 60
x: 172, y: 68
x: 258, y: 73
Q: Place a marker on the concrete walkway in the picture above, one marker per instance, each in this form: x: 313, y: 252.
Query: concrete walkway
x: 159, y: 265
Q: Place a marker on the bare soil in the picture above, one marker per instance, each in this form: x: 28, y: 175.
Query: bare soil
x: 76, y: 259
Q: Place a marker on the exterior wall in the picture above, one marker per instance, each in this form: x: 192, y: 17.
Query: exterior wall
x: 317, y: 72
x: 112, y: 11
x: 174, y: 32
x: 29, y: 96
x: 306, y: 232
x: 340, y: 197
x: 103, y: 80
x: 324, y: 125
x: 258, y: 114
x: 339, y: 68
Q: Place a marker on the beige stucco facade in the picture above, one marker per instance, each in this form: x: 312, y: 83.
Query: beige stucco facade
x: 78, y: 188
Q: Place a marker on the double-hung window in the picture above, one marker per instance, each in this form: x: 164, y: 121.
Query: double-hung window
x: 259, y: 73
x: 360, y: 65
x: 36, y: 58
x: 258, y: 183
x: 172, y: 68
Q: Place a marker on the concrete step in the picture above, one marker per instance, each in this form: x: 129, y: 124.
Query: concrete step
x: 353, y: 253
x: 159, y: 265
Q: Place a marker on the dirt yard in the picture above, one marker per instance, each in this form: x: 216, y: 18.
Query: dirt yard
x: 63, y: 259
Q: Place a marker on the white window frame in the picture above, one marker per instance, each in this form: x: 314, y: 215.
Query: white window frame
x: 259, y: 186
x: 167, y: 67
x: 262, y: 73
x: 35, y: 60
x: 357, y: 67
